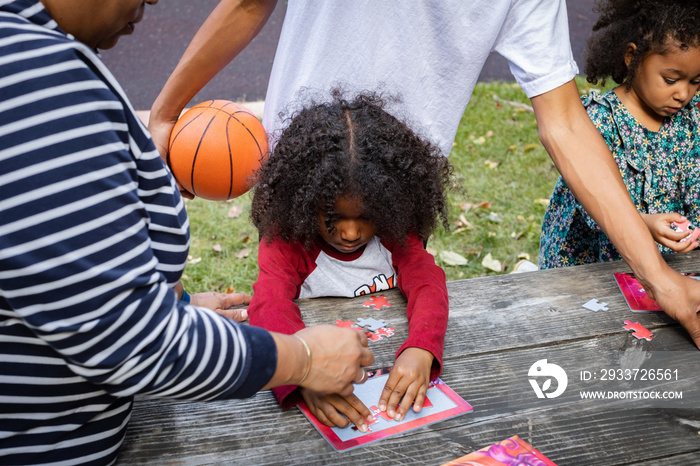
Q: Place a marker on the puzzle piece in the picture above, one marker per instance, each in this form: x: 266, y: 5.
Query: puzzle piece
x: 377, y: 302
x: 639, y: 330
x: 371, y: 324
x: 345, y: 324
x: 595, y: 306
x: 379, y: 334
x: 686, y: 226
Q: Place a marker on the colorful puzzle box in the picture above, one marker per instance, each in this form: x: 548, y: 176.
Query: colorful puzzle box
x: 441, y: 403
x: 512, y: 451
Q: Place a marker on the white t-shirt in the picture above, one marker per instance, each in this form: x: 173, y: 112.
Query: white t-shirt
x: 430, y: 53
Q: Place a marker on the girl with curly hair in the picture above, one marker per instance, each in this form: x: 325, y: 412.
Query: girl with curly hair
x: 650, y: 122
x: 344, y: 204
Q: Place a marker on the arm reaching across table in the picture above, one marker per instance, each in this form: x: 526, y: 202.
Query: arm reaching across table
x: 585, y: 162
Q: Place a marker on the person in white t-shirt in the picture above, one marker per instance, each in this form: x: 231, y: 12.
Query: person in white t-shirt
x: 431, y: 53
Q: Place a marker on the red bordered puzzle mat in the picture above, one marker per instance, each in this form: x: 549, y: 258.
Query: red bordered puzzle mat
x: 441, y: 403
x: 637, y: 298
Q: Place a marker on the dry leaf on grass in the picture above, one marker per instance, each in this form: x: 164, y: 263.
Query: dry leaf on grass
x: 452, y: 258
x: 243, y: 253
x: 495, y: 217
x: 216, y: 247
x: 492, y: 264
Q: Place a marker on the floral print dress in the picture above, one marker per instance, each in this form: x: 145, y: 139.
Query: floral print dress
x: 661, y: 170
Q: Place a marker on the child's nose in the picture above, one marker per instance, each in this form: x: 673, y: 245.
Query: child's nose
x: 682, y: 94
x: 349, y: 231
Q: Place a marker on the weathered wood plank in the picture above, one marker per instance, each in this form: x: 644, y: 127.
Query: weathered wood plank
x: 499, y: 326
x: 575, y: 431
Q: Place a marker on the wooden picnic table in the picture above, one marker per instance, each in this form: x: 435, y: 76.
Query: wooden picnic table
x: 499, y: 327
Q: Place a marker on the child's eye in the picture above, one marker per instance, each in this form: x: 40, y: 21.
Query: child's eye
x: 670, y: 81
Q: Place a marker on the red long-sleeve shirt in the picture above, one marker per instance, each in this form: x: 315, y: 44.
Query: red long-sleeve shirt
x: 288, y: 271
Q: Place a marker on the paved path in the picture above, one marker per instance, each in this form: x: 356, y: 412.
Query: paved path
x: 143, y: 61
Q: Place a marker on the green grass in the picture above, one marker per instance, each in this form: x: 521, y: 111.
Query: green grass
x: 503, y: 177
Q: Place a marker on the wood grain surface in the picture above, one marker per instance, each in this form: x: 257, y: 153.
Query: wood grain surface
x: 499, y: 326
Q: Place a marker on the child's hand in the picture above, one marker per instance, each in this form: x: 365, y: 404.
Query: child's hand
x: 660, y: 227
x: 336, y: 410
x: 408, y: 381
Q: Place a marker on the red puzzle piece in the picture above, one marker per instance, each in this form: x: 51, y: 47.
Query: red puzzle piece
x: 377, y: 302
x: 348, y: 324
x: 639, y: 330
x: 345, y: 324
x: 379, y: 334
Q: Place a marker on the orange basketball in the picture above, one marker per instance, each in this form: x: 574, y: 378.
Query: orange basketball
x: 216, y: 148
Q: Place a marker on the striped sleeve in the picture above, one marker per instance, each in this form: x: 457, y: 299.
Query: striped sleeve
x: 93, y: 234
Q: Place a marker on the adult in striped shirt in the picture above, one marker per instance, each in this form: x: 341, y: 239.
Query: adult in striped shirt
x: 93, y: 240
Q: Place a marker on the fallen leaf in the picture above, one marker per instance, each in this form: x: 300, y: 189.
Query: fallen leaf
x: 494, y: 217
x: 524, y: 256
x: 230, y: 289
x: 452, y: 258
x: 194, y: 260
x: 216, y: 247
x: 243, y: 253
x: 490, y: 164
x: 480, y: 140
x: 463, y: 223
x: 489, y: 133
x: 431, y: 251
x: 529, y: 147
x: 235, y: 211
x: 492, y: 264
x: 484, y: 205
x: 512, y: 148
x: 465, y: 206
x: 245, y: 239
x: 491, y: 234
x: 542, y: 201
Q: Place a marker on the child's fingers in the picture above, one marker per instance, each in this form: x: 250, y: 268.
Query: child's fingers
x: 420, y: 398
x: 415, y: 395
x: 388, y: 390
x: 395, y: 394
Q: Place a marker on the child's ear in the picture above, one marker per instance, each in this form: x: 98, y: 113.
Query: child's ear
x: 629, y: 53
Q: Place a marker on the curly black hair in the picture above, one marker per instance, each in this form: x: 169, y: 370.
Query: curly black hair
x: 350, y: 147
x: 652, y: 25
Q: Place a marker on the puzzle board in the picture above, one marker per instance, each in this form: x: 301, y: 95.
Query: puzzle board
x: 637, y: 298
x: 441, y: 403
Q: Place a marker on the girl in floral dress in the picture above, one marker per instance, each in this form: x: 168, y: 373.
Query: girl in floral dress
x: 650, y: 122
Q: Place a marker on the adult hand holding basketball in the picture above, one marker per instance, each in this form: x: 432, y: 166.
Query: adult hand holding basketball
x: 216, y: 148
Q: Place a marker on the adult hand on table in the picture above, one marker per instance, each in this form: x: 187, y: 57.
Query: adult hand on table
x: 679, y: 297
x: 222, y: 303
x: 323, y: 358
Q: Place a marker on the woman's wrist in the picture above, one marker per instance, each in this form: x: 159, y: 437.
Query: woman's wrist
x: 293, y: 361
x: 308, y: 359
